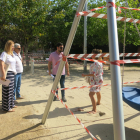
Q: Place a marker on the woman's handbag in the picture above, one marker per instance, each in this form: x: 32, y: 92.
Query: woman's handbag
x: 6, y: 66
x: 87, y: 78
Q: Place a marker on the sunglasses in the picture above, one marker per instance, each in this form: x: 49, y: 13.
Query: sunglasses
x: 61, y: 47
x: 18, y: 48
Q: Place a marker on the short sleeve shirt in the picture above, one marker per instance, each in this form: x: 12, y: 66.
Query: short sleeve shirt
x: 19, y: 66
x: 55, y: 57
x: 9, y: 59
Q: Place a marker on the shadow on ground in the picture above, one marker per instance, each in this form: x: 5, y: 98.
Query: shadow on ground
x: 56, y: 113
x: 21, y: 132
x: 100, y: 131
x: 105, y: 132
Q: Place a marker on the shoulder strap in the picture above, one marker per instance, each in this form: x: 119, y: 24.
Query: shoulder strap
x: 19, y: 57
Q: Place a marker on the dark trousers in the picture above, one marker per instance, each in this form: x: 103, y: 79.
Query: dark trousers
x: 62, y: 84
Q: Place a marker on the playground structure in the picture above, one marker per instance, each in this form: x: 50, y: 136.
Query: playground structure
x: 115, y: 73
x: 115, y: 70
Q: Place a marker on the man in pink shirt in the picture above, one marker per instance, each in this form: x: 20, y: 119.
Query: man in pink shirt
x: 54, y: 57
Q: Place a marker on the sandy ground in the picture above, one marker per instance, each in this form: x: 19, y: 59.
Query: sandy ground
x: 24, y: 123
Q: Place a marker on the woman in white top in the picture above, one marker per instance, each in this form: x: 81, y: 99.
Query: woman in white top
x: 8, y: 91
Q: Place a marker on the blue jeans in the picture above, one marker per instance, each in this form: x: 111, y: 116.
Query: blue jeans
x: 62, y: 84
x: 17, y: 85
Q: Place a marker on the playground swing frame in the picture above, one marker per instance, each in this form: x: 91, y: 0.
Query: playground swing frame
x: 118, y: 119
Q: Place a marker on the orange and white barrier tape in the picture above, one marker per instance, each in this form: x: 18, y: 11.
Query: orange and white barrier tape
x: 117, y: 62
x: 89, y: 11
x: 92, y: 60
x: 73, y: 115
x: 81, y: 87
x: 130, y: 8
x: 84, y: 13
x: 103, y: 55
x: 104, y: 16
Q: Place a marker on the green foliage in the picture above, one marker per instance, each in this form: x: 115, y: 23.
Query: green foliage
x: 35, y: 23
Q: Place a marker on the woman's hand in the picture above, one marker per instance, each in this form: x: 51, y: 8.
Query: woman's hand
x: 83, y: 75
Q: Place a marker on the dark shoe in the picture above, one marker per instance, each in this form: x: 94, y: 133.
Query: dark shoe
x: 54, y: 99
x: 64, y: 99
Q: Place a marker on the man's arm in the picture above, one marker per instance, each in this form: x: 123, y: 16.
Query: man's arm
x: 49, y: 67
x: 67, y: 68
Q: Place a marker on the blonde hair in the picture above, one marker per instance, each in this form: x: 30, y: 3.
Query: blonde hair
x: 8, y: 47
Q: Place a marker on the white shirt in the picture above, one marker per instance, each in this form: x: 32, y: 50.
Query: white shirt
x: 9, y: 59
x: 19, y: 66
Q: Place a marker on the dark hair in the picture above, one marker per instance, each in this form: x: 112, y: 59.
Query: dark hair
x: 59, y: 44
x: 96, y: 51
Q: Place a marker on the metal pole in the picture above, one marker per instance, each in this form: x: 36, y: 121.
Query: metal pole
x: 62, y: 63
x: 85, y: 37
x: 118, y: 119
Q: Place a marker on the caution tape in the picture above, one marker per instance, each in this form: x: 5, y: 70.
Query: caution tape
x: 117, y: 62
x: 73, y: 115
x: 104, y: 16
x: 111, y: 4
x: 81, y: 87
x: 85, y: 13
x: 103, y: 55
x: 130, y: 8
x: 89, y: 11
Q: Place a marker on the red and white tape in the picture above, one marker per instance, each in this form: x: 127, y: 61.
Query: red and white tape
x: 85, y: 13
x: 92, y: 60
x: 89, y: 11
x: 81, y: 87
x: 130, y: 8
x: 117, y: 62
x: 73, y: 115
x: 103, y: 55
x: 104, y: 16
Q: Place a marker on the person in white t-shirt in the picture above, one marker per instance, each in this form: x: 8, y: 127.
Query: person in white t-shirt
x: 7, y: 57
x: 19, y: 69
